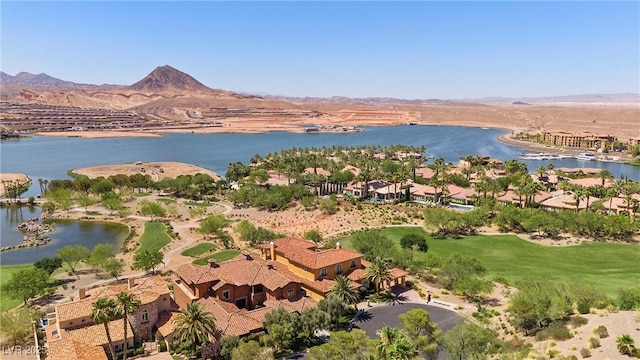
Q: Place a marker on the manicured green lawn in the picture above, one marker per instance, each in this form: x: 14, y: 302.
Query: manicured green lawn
x: 6, y: 272
x: 219, y: 257
x: 607, y: 266
x: 154, y: 237
x: 198, y: 249
x: 141, y: 194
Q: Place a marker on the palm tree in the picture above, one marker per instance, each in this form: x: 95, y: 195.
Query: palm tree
x: 579, y: 193
x: 388, y: 335
x: 195, y: 324
x: 625, y: 344
x: 105, y: 311
x: 127, y: 304
x: 403, y: 349
x: 378, y: 272
x: 605, y: 174
x: 343, y: 290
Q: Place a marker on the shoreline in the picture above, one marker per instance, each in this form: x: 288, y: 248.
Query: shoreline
x: 536, y: 147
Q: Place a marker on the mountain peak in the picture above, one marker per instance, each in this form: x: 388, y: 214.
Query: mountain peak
x: 168, y: 78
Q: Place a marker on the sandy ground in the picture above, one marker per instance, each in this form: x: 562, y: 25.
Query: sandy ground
x: 98, y: 134
x: 22, y: 178
x: 157, y: 170
x: 616, y: 120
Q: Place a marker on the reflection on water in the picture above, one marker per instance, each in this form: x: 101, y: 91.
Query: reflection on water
x: 67, y: 232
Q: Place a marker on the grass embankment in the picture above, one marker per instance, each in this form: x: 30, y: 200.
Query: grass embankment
x: 198, y: 249
x: 154, y: 237
x: 6, y: 272
x: 604, y: 265
x: 219, y: 257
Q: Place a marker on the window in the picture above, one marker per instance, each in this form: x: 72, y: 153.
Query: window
x: 353, y: 264
x: 338, y: 269
x: 257, y: 289
x: 290, y: 293
x: 323, y: 272
x: 145, y: 315
x: 225, y: 295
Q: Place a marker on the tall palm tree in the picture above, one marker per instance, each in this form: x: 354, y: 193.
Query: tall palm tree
x: 343, y: 290
x: 105, y: 311
x: 378, y: 272
x: 605, y: 174
x: 127, y: 304
x: 625, y: 344
x: 579, y: 193
x: 195, y: 324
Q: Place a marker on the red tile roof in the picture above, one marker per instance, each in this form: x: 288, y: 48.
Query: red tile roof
x: 146, y: 289
x: 239, y: 271
x: 233, y: 321
x: 68, y: 349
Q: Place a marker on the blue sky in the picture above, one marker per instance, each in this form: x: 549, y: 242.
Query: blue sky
x: 447, y: 50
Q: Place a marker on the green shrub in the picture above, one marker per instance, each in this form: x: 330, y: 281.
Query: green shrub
x: 558, y: 331
x: 553, y: 353
x: 585, y: 353
x: 629, y: 299
x: 162, y: 346
x: 601, y: 331
x: 577, y: 321
x: 594, y: 343
x: 583, y: 307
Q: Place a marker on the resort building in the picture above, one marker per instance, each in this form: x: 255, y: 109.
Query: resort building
x: 583, y: 140
x: 71, y: 334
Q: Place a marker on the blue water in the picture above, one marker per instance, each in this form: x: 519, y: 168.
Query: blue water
x: 66, y: 233
x: 51, y: 158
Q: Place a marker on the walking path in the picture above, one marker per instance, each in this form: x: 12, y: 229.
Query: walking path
x: 183, y: 228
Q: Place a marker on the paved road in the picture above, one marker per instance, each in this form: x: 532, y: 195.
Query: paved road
x: 373, y: 319
x: 377, y: 317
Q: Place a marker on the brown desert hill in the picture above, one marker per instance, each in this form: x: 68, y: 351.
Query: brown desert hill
x: 165, y: 78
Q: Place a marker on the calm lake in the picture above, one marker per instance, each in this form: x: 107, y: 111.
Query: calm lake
x: 66, y: 232
x: 51, y: 157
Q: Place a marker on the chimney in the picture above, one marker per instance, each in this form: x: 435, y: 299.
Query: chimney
x: 338, y: 245
x: 82, y: 293
x: 132, y: 282
x: 270, y: 265
x: 212, y: 263
x: 247, y: 256
x: 272, y: 250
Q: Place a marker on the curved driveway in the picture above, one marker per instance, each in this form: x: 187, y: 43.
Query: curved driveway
x: 375, y: 318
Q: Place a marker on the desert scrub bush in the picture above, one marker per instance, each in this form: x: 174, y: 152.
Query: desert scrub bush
x: 552, y: 353
x: 594, y: 343
x: 577, y: 321
x: 556, y: 331
x: 601, y: 331
x: 585, y: 353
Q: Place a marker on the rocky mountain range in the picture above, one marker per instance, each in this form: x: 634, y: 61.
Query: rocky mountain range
x: 171, y: 98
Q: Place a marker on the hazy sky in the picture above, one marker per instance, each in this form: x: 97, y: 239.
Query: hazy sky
x: 358, y: 49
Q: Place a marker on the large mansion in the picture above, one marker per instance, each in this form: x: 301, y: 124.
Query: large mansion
x: 290, y: 273
x: 71, y: 334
